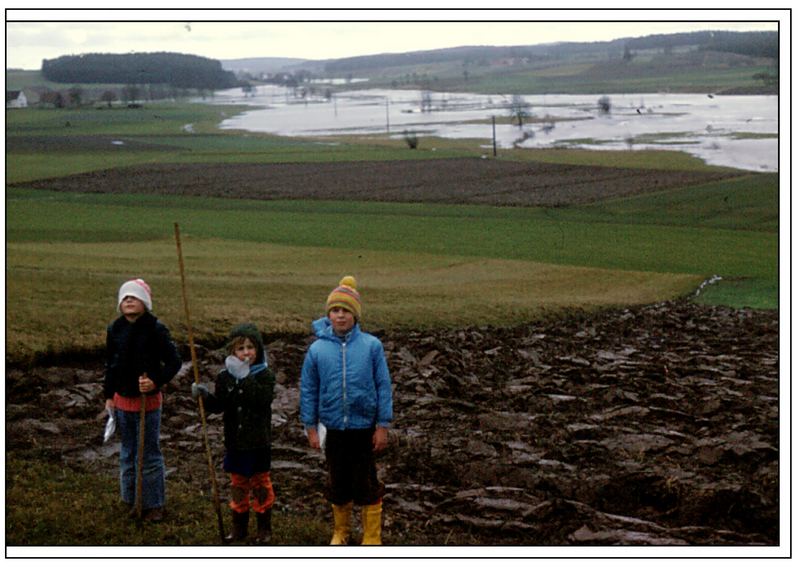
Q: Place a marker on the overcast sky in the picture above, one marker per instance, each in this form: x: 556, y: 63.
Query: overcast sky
x: 30, y: 38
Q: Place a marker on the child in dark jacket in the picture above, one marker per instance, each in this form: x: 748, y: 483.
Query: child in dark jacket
x: 243, y: 392
x: 141, y: 358
x: 345, y: 386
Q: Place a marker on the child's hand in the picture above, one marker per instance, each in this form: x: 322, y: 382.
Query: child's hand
x: 380, y: 439
x: 313, y: 438
x: 199, y: 391
x: 146, y: 384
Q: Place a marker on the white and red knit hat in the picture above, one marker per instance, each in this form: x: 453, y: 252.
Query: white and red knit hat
x: 137, y: 288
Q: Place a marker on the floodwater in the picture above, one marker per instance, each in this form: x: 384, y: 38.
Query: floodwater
x: 733, y: 131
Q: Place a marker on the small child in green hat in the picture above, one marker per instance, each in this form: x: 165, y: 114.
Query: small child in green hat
x: 243, y: 392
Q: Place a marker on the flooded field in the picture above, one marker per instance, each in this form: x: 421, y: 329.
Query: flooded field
x: 733, y: 131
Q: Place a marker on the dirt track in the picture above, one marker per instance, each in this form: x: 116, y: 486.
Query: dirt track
x: 649, y: 426
x: 468, y: 181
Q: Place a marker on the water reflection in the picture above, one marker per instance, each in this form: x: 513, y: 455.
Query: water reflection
x: 734, y: 131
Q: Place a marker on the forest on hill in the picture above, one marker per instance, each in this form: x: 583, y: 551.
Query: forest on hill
x: 163, y: 68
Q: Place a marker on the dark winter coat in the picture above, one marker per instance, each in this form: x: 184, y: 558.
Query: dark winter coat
x: 247, y: 409
x: 135, y: 348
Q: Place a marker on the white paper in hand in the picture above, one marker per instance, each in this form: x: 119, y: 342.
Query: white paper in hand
x: 111, y: 427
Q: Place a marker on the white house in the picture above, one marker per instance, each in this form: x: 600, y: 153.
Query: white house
x: 16, y: 99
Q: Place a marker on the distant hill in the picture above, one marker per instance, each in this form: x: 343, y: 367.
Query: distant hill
x: 701, y: 62
x: 708, y: 61
x: 754, y: 44
x: 257, y: 65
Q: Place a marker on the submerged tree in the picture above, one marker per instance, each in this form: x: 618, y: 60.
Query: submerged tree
x: 604, y: 104
x: 520, y: 109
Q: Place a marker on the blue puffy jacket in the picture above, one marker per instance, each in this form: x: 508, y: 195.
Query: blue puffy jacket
x: 345, y: 382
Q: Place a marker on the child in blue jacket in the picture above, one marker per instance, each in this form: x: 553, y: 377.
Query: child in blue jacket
x: 346, y: 387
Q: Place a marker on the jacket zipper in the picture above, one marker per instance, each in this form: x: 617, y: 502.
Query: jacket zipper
x: 344, y: 381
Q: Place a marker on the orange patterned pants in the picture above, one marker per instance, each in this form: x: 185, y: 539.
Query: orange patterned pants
x: 259, y: 486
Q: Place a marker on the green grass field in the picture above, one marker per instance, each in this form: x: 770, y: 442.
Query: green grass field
x: 59, y: 513
x: 419, y: 265
x: 635, y: 80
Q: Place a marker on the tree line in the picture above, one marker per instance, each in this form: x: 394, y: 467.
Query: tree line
x: 754, y: 44
x: 172, y: 69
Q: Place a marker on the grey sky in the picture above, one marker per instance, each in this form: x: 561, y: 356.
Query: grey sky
x: 183, y: 31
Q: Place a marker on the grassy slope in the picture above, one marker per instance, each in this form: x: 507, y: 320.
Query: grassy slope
x: 583, y: 73
x: 409, y: 258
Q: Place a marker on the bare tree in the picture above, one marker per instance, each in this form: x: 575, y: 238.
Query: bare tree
x: 75, y: 95
x: 604, y: 105
x: 108, y: 97
x: 411, y: 139
x: 627, y: 54
x: 426, y: 101
x: 519, y: 109
x: 130, y: 93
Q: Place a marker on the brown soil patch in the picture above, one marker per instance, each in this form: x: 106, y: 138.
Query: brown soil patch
x: 80, y: 143
x: 646, y: 426
x: 469, y: 181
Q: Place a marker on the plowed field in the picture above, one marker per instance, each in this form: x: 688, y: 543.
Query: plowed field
x: 648, y: 426
x: 469, y: 181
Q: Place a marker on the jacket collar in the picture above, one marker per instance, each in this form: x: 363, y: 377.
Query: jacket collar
x: 147, y: 319
x: 324, y: 330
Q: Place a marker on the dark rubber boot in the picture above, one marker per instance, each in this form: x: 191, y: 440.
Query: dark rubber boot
x: 239, y: 531
x: 264, y: 522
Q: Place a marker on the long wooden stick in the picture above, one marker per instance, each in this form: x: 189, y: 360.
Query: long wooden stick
x: 140, y: 461
x: 201, y: 407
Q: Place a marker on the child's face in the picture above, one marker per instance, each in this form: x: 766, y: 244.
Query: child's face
x: 245, y: 351
x: 341, y: 319
x: 131, y: 308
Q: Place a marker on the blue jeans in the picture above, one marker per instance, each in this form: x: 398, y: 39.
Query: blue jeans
x: 153, y: 469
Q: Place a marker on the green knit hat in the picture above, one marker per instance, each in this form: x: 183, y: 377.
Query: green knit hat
x: 250, y: 331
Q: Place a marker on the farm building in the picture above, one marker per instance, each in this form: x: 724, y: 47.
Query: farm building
x: 16, y: 99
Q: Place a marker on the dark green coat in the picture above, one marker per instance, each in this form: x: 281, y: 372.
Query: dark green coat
x: 247, y: 409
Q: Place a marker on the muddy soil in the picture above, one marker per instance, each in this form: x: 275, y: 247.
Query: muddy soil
x: 655, y: 425
x: 468, y: 181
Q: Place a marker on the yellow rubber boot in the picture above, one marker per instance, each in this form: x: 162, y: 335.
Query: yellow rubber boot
x: 341, y: 523
x: 371, y: 523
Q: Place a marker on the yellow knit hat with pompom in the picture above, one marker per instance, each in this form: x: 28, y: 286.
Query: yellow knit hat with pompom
x: 345, y: 295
